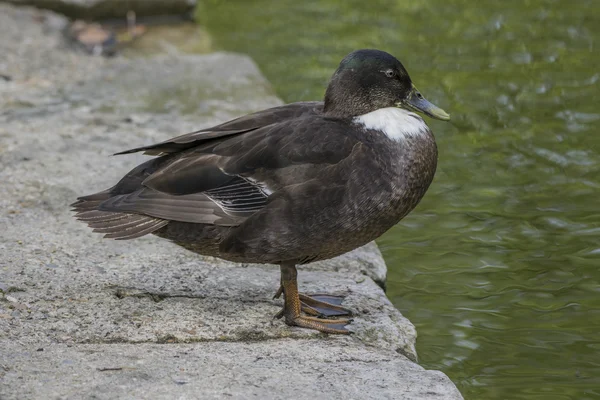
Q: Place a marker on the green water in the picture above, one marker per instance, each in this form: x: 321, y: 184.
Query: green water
x: 499, y: 266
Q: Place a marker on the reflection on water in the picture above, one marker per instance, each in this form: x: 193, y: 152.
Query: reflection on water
x: 499, y: 266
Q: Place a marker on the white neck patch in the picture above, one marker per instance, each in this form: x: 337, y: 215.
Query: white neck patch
x: 396, y: 123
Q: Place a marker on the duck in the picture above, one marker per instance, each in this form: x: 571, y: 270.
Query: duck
x: 289, y: 185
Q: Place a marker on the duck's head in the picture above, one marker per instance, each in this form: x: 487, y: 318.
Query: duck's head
x: 368, y: 80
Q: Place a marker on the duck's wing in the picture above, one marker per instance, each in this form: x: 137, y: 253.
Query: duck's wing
x: 224, y: 182
x: 239, y: 125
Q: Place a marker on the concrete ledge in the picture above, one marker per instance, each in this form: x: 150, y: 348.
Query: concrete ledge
x: 290, y: 368
x: 165, y: 322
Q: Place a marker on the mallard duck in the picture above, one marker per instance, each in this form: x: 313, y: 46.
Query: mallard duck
x: 289, y: 185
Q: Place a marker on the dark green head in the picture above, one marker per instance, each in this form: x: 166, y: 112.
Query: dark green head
x: 368, y: 80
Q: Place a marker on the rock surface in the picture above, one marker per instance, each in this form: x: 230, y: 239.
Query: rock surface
x: 83, y: 317
x: 95, y: 9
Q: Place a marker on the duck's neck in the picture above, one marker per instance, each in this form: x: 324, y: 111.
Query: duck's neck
x: 396, y: 123
x: 341, y: 100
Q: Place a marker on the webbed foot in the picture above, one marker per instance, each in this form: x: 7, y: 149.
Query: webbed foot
x: 324, y: 305
x: 316, y: 306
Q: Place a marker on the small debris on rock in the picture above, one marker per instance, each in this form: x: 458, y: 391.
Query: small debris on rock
x: 101, y: 40
x: 11, y: 299
x: 93, y: 38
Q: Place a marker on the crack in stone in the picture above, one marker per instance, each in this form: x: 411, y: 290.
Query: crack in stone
x: 243, y: 337
x: 122, y: 292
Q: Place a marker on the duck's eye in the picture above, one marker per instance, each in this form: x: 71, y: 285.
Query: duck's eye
x: 390, y: 73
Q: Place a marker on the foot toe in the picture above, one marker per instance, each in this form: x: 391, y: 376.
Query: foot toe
x: 321, y: 325
x: 324, y: 304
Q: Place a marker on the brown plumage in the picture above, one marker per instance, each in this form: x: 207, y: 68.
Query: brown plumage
x: 288, y: 185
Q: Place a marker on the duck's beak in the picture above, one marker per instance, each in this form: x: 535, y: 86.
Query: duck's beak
x: 415, y: 101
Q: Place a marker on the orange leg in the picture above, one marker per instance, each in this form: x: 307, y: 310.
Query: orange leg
x: 294, y: 303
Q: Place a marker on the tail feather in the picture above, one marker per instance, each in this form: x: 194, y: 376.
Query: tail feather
x: 152, y: 225
x: 114, y: 225
x: 90, y: 217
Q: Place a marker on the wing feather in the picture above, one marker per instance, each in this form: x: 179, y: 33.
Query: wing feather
x: 236, y: 126
x: 220, y: 176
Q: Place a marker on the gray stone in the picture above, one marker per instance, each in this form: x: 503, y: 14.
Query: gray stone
x: 83, y: 317
x: 299, y: 369
x: 95, y: 9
